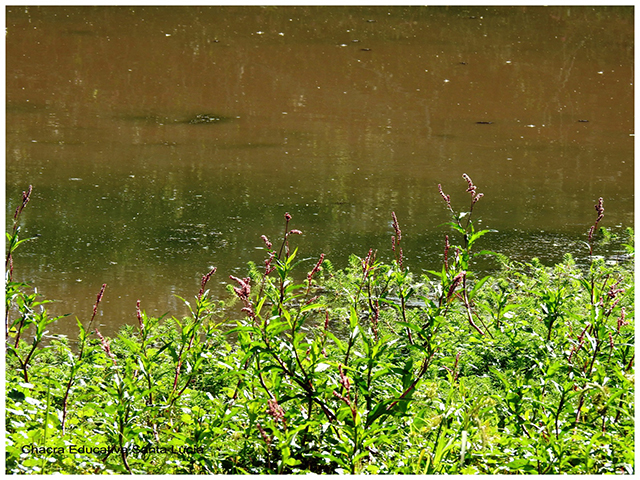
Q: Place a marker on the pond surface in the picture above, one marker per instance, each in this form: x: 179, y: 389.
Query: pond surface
x: 161, y: 141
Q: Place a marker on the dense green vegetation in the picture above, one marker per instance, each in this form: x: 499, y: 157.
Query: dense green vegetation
x: 369, y: 369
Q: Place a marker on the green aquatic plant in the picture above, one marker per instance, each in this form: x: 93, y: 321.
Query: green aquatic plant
x: 30, y: 311
x: 363, y: 369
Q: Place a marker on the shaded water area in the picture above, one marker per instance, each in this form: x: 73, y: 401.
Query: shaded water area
x: 161, y: 141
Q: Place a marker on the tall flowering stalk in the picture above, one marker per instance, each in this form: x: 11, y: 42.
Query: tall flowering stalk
x: 76, y: 364
x: 395, y: 241
x: 455, y: 274
x: 287, y: 233
x: 190, y: 335
x: 139, y: 317
x: 600, y: 211
x: 401, y: 276
x: 605, y: 295
x: 13, y: 237
x: 12, y: 290
x: 284, y: 265
x: 475, y: 197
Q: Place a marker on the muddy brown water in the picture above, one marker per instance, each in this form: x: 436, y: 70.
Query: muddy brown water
x: 161, y: 141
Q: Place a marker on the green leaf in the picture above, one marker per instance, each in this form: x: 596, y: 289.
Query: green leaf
x: 474, y: 236
x: 412, y: 326
x: 478, y: 285
x: 258, y: 307
x: 485, y: 252
x: 377, y: 411
x: 454, y: 226
x: 337, y: 341
x: 521, y: 464
x: 353, y: 318
x: 292, y: 256
x: 311, y: 306
x: 355, y: 333
x: 503, y: 378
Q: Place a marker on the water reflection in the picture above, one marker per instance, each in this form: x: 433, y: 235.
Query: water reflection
x: 163, y: 140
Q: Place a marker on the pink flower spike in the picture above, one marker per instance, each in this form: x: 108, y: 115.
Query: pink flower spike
x: 205, y: 279
x: 25, y: 199
x: 446, y: 252
x: 344, y: 399
x: 243, y: 291
x: 455, y: 282
x: 472, y: 187
x: 447, y: 198
x: 344, y: 380
x: 600, y: 208
x: 139, y: 315
x: 265, y: 437
x: 275, y: 411
x: 106, y: 347
x: 95, y: 306
x: 316, y: 268
x: 268, y: 267
x: 396, y: 226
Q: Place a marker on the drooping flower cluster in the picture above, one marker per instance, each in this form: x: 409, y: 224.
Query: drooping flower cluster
x: 472, y: 189
x: 314, y: 270
x: 447, y: 198
x: 578, y: 345
x: 95, y: 306
x: 106, y: 347
x: 268, y: 266
x: 205, y: 279
x: 621, y: 320
x: 344, y: 380
x: 266, y: 241
x: 276, y: 411
x: 612, y: 295
x: 346, y: 386
x: 243, y: 291
x: 455, y: 283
